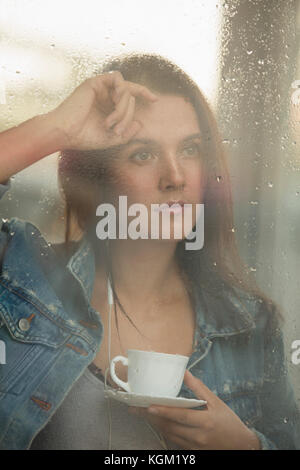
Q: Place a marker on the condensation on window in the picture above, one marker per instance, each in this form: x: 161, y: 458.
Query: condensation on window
x: 244, y: 55
x: 259, y: 111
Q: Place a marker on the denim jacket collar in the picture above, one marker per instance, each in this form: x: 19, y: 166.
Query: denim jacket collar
x: 223, y: 315
x: 82, y: 266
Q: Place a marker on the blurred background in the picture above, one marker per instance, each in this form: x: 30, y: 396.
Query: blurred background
x: 244, y: 55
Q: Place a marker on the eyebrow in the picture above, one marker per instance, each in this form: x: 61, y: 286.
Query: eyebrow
x: 150, y: 141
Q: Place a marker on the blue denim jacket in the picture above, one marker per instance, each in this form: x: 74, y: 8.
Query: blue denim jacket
x: 52, y: 334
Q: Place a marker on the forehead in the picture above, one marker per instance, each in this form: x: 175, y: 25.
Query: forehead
x: 169, y: 116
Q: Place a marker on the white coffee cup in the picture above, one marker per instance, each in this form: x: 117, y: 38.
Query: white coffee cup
x: 151, y: 373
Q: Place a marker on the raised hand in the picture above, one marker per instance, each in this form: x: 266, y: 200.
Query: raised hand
x: 100, y: 112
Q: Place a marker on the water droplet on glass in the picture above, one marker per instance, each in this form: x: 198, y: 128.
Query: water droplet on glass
x: 261, y: 61
x: 249, y: 52
x: 270, y: 184
x: 4, y: 220
x: 218, y: 178
x: 254, y: 203
x: 226, y: 141
x: 285, y: 420
x: 297, y: 193
x: 233, y: 229
x: 252, y: 269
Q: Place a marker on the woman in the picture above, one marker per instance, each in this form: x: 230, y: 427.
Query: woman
x: 142, y: 129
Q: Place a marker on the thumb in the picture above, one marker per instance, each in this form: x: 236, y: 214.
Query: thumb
x: 197, y: 386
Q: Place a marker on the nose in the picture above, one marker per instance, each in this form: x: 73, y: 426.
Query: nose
x: 172, y: 175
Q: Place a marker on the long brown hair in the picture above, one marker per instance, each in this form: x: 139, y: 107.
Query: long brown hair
x: 218, y: 264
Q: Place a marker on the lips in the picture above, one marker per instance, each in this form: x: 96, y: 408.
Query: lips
x: 173, y: 206
x: 176, y: 203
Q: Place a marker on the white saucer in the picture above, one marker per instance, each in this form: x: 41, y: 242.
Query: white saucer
x: 134, y: 399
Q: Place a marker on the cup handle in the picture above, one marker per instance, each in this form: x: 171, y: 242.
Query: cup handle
x: 116, y: 379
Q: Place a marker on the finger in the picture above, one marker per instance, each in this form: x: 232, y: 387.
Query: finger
x: 135, y: 89
x: 117, y: 92
x: 122, y: 101
x: 198, y: 387
x: 181, y: 443
x: 113, y: 79
x: 115, y: 85
x: 103, y: 83
x: 182, y: 416
x: 188, y: 437
x: 118, y: 114
x: 142, y: 91
x: 118, y: 97
x: 127, y: 117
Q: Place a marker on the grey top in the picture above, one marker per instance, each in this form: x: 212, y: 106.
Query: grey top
x: 82, y: 423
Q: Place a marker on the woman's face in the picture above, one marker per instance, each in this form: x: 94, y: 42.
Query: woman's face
x: 162, y: 163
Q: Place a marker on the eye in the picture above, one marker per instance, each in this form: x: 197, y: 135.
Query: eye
x: 141, y: 156
x: 191, y: 150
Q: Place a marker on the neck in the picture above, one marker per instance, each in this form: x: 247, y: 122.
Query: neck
x: 143, y: 269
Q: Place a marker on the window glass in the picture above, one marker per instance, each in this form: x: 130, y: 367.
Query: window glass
x: 244, y: 56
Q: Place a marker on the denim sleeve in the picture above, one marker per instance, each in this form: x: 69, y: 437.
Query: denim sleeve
x: 280, y: 424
